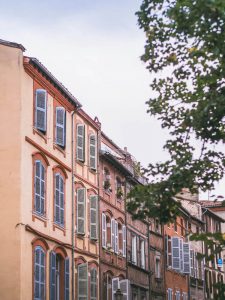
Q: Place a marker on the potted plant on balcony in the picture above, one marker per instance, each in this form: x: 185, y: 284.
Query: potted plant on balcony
x: 119, y: 193
x: 107, y: 185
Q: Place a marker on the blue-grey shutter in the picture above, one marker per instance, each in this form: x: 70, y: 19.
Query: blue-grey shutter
x: 181, y: 256
x: 60, y: 126
x: 92, y: 149
x: 81, y: 142
x: 39, y: 187
x: 104, y: 233
x: 113, y: 234
x: 59, y: 199
x: 41, y: 110
x: 115, y: 286
x: 175, y: 253
x: 39, y: 274
x: 125, y: 289
x: 82, y: 274
x: 124, y: 240
x: 81, y: 210
x: 67, y: 278
x: 93, y: 217
x: 52, y: 272
x: 186, y: 253
x: 93, y: 282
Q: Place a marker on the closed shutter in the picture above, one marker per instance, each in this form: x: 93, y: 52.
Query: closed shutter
x: 93, y: 217
x: 115, y: 286
x: 177, y: 295
x: 60, y: 126
x: 192, y: 263
x: 67, y: 278
x: 104, y: 230
x: 186, y: 258
x: 81, y: 142
x: 170, y: 294
x: 113, y: 234
x: 81, y: 211
x: 39, y: 186
x: 175, y: 253
x: 39, y: 274
x: 195, y: 265
x: 82, y: 282
x: 134, y: 249
x: 92, y: 145
x: 202, y: 268
x: 40, y: 110
x: 93, y: 284
x: 181, y: 256
x: 52, y: 273
x: 116, y: 237
x: 142, y: 243
x: 124, y: 240
x: 125, y: 288
x: 59, y: 200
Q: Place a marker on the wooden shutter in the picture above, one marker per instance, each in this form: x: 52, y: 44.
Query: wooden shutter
x: 82, y: 282
x: 92, y: 150
x: 116, y: 237
x: 142, y: 246
x: 113, y: 234
x: 40, y: 110
x: 59, y: 200
x: 104, y: 232
x: 93, y: 280
x: 60, y: 126
x: 124, y: 240
x: 67, y: 279
x: 186, y: 258
x: 115, y: 286
x: 170, y: 294
x: 81, y: 210
x: 93, y: 217
x: 125, y: 288
x: 175, y: 254
x: 181, y: 256
x: 39, y: 273
x: 81, y: 142
x: 52, y: 272
x: 134, y: 249
x: 39, y: 188
x: 192, y: 263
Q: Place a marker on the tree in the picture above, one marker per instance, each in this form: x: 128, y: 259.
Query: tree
x: 185, y: 51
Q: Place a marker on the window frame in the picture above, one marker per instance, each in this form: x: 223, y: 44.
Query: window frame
x: 61, y: 177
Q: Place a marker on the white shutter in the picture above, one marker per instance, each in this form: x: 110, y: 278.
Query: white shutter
x: 41, y: 110
x: 177, y: 295
x: 113, y: 234
x: 60, y: 126
x: 81, y: 210
x: 104, y: 230
x: 82, y: 274
x: 181, y: 256
x: 142, y: 242
x: 124, y: 240
x: 116, y: 237
x: 81, y: 142
x: 196, y: 265
x: 175, y: 253
x: 134, y: 249
x: 115, y: 286
x: 93, y: 217
x: 92, y: 150
x: 202, y: 268
x: 192, y: 263
x: 185, y: 296
x: 169, y: 294
x: 125, y: 288
x: 186, y: 258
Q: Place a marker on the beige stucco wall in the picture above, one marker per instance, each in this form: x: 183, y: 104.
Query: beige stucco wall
x: 11, y: 66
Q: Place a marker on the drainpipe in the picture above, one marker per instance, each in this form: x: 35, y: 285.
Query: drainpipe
x: 149, y: 263
x: 100, y: 283
x: 125, y: 209
x: 72, y: 234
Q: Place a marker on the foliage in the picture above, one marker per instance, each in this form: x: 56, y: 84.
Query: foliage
x: 185, y: 52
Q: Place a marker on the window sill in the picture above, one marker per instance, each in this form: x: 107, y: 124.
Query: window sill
x: 38, y: 132
x: 55, y: 225
x: 55, y: 146
x: 80, y: 235
x: 42, y: 218
x: 79, y: 162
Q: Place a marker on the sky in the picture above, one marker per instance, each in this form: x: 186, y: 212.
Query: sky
x: 93, y: 48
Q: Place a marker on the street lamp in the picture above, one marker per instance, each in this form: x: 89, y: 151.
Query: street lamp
x: 118, y: 295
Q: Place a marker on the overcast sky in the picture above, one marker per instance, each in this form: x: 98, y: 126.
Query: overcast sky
x: 93, y: 48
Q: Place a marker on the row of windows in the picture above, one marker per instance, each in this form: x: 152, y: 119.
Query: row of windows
x: 59, y: 201
x: 60, y: 129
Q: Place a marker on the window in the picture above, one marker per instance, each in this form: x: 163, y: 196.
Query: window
x: 82, y: 276
x: 142, y: 251
x: 123, y: 285
x: 93, y: 217
x: 157, y: 226
x: 116, y: 243
x: 169, y: 294
x: 81, y: 211
x: 175, y: 253
x: 60, y: 128
x: 113, y: 234
x: 175, y: 226
x: 168, y: 251
x: 177, y: 295
x: 106, y: 180
x: 93, y: 277
x: 92, y: 152
x: 39, y: 273
x: 80, y: 142
x: 185, y: 296
x: 157, y: 268
x: 186, y: 253
x: 59, y: 200
x: 104, y: 231
x: 124, y: 240
x: 39, y: 188
x: 41, y: 110
x: 59, y: 276
x: 134, y: 249
x: 182, y: 227
x: 119, y: 190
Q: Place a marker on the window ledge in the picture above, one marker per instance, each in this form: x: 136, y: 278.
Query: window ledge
x: 93, y: 171
x: 55, y: 225
x: 42, y: 218
x: 38, y: 132
x: 60, y: 149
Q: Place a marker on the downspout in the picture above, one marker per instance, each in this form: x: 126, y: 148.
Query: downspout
x: 149, y: 263
x: 72, y: 187
x: 100, y: 283
x: 125, y: 209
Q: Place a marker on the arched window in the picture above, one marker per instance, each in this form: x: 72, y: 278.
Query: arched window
x: 39, y: 187
x: 93, y: 282
x: 119, y: 189
x: 39, y: 273
x: 59, y: 200
x: 106, y: 180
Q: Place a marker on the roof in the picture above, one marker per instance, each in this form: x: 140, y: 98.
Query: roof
x: 213, y: 214
x: 206, y: 203
x: 36, y: 63
x: 12, y: 44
